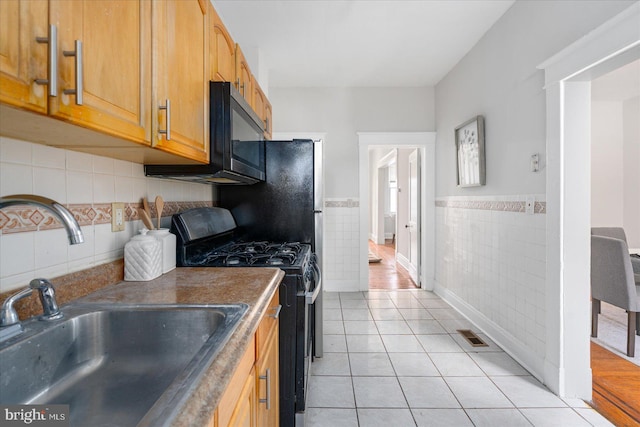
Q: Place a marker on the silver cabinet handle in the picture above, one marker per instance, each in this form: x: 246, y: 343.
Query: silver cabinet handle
x: 277, y: 310
x: 267, y: 377
x: 78, y: 57
x: 52, y: 72
x: 266, y: 124
x: 167, y: 131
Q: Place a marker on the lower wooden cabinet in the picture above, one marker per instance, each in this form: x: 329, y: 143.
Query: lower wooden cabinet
x: 251, y: 399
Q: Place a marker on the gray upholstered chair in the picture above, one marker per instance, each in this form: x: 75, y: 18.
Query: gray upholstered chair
x: 613, y: 281
x: 617, y: 233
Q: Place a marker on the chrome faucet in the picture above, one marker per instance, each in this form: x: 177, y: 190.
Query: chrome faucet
x: 8, y: 316
x: 60, y: 212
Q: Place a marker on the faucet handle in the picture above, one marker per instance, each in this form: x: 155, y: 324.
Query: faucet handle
x: 47, y: 298
x: 8, y: 314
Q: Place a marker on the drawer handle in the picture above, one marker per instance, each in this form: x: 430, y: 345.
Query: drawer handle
x: 52, y: 78
x: 267, y: 377
x: 78, y: 91
x: 277, y: 310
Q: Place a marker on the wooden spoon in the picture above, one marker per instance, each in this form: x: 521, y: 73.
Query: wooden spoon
x: 159, y: 208
x: 146, y: 219
x: 145, y: 204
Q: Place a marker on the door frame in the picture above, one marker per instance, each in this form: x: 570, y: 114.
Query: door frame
x: 414, y: 270
x: 568, y: 76
x: 426, y: 141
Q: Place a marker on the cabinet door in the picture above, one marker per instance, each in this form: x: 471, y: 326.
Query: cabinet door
x: 268, y: 120
x: 257, y: 99
x: 244, y: 413
x: 267, y: 385
x: 181, y: 63
x: 22, y: 58
x: 267, y: 366
x: 223, y: 50
x: 113, y: 69
x: 243, y: 75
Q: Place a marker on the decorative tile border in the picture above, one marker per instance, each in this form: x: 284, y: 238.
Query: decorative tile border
x: 24, y: 218
x: 492, y: 205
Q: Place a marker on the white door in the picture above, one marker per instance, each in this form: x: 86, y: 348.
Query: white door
x: 414, y: 216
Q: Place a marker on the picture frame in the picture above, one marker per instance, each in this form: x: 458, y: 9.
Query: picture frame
x: 470, y: 153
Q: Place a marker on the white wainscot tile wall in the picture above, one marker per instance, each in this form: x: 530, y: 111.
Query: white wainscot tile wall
x: 494, y: 261
x: 341, y: 245
x: 71, y: 177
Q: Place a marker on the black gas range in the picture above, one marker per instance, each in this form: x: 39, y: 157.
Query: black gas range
x: 208, y: 237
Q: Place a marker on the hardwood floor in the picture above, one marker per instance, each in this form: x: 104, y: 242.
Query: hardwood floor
x: 387, y: 274
x: 616, y: 387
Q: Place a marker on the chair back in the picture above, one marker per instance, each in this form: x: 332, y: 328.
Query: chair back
x: 615, y: 232
x: 612, y: 277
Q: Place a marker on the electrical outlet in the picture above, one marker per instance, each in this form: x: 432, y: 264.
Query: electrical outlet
x: 117, y: 217
x: 530, y: 204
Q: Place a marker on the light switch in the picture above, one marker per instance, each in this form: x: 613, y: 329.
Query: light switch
x: 535, y: 162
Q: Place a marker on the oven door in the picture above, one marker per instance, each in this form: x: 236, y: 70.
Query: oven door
x: 313, y: 287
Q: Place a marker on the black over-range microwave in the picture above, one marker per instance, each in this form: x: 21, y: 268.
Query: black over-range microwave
x: 237, y: 150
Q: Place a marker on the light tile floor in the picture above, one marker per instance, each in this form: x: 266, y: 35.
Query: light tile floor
x: 394, y: 358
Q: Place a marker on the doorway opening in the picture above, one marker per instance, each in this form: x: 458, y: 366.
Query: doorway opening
x: 393, y: 260
x: 615, y: 202
x: 397, y: 216
x: 568, y: 77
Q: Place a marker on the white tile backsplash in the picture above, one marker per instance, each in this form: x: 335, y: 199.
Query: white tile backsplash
x: 76, y: 178
x: 14, y: 151
x: 495, y: 262
x: 50, y: 183
x: 49, y: 157
x: 16, y: 179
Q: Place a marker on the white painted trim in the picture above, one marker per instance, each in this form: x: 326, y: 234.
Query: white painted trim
x: 427, y: 142
x: 518, y: 351
x: 567, y: 369
x: 610, y: 39
x: 406, y: 264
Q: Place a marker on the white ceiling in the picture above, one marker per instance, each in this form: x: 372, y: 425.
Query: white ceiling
x: 361, y: 43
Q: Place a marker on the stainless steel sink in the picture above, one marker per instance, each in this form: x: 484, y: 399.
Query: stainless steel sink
x: 115, y: 365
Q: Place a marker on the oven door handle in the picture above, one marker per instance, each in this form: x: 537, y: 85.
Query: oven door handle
x: 310, y: 297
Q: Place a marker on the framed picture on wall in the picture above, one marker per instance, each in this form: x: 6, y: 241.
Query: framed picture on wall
x: 469, y: 138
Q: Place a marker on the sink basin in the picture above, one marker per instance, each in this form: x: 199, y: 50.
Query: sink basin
x: 115, y: 365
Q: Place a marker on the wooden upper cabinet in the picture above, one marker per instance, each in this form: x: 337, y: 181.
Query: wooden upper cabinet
x: 22, y: 58
x: 243, y: 75
x: 181, y: 52
x: 112, y: 69
x: 222, y: 49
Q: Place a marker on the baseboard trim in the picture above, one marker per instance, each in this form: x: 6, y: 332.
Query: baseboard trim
x: 521, y: 353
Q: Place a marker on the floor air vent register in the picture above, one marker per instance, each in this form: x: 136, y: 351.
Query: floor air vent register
x: 472, y: 338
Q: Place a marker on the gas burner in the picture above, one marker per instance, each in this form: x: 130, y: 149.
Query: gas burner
x: 275, y: 261
x: 232, y: 260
